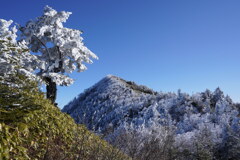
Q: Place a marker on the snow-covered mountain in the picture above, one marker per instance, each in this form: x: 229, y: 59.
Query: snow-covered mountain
x: 111, y: 102
x: 114, y: 104
x: 140, y: 121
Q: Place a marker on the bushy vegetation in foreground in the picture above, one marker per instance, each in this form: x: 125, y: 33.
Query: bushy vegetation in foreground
x: 32, y: 128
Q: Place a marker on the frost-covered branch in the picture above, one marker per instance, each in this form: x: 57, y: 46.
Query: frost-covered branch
x: 61, y: 49
x: 14, y: 56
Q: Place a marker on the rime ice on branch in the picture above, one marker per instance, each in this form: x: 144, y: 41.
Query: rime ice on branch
x: 60, y: 50
x: 14, y: 56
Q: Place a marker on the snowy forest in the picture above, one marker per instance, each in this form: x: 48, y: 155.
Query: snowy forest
x: 153, y: 125
x: 115, y: 119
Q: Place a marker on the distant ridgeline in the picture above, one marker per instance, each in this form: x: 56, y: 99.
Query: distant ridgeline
x: 114, y: 107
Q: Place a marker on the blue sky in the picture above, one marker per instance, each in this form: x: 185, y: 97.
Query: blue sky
x: 165, y: 44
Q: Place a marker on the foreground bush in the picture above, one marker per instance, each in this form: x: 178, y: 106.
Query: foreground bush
x: 32, y: 128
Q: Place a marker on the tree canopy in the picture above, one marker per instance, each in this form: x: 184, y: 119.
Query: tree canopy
x: 14, y: 56
x: 62, y: 49
x: 45, y: 49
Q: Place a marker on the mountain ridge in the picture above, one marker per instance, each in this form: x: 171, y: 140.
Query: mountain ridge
x: 126, y: 113
x: 108, y: 80
x: 114, y: 100
x: 113, y: 87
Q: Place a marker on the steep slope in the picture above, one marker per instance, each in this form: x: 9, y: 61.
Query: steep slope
x: 109, y: 102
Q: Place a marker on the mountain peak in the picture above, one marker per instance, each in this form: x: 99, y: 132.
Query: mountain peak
x: 129, y: 84
x: 115, y: 102
x: 110, y: 76
x: 111, y: 89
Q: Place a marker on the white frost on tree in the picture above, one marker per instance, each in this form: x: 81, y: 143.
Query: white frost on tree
x: 61, y: 50
x: 14, y: 56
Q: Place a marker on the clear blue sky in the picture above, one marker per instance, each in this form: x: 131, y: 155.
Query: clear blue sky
x: 165, y: 44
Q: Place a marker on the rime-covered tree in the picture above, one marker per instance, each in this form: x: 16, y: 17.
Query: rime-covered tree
x: 60, y: 50
x: 15, y: 59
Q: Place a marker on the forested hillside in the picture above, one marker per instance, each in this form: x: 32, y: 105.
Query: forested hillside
x: 140, y: 121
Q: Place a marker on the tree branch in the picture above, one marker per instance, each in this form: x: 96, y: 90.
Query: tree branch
x: 43, y: 45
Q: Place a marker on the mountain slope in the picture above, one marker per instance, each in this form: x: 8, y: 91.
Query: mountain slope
x: 113, y: 106
x: 108, y: 102
x: 114, y: 101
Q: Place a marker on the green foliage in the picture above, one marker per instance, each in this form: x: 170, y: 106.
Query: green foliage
x: 32, y: 128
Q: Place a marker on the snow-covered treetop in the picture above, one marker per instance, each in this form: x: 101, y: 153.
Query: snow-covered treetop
x: 6, y: 33
x: 14, y: 56
x: 62, y: 49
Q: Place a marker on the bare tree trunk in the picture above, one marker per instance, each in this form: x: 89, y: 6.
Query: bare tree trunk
x: 51, y: 90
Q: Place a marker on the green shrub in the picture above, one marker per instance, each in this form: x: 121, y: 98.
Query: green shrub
x: 32, y: 128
